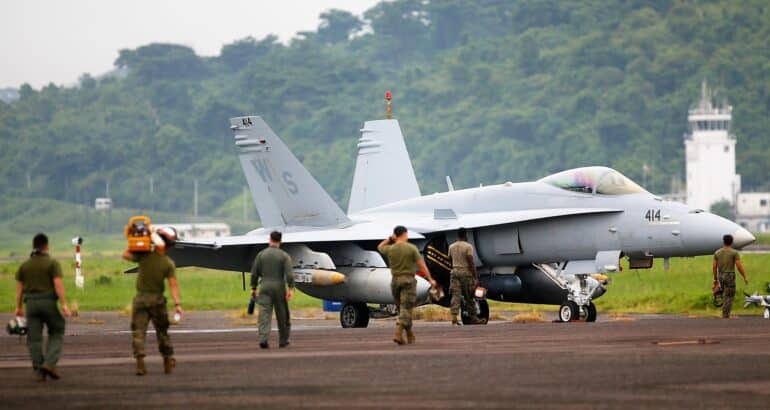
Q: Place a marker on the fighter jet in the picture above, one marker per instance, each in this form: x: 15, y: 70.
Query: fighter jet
x: 550, y: 241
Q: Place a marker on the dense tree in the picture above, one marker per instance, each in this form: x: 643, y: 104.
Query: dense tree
x: 485, y: 92
x: 338, y: 25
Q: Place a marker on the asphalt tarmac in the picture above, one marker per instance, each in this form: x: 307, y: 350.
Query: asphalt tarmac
x: 638, y: 362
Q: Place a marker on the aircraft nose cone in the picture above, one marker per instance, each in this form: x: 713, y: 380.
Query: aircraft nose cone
x: 742, y: 237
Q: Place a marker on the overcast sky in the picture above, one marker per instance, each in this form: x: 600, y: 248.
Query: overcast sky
x: 44, y: 41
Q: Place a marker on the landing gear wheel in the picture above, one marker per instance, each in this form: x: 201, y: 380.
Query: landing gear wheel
x: 484, y: 311
x: 483, y: 308
x: 568, y: 311
x: 354, y: 315
x: 590, y: 312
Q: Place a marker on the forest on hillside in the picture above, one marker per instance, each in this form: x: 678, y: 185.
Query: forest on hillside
x: 485, y: 91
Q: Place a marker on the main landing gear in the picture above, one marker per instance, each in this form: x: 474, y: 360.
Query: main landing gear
x: 354, y: 315
x: 483, y: 309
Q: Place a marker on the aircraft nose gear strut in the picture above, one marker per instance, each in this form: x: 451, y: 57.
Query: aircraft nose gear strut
x: 578, y: 304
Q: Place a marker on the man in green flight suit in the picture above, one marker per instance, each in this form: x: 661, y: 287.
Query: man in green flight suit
x: 149, y: 303
x: 39, y: 285
x: 272, y: 273
x: 405, y: 260
x: 726, y: 259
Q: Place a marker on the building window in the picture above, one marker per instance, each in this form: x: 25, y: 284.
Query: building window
x: 763, y: 202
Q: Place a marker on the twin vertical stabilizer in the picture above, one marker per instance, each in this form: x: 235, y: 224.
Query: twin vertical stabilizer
x: 384, y: 171
x: 283, y: 190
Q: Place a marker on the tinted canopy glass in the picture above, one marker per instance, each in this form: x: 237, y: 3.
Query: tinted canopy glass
x: 599, y: 180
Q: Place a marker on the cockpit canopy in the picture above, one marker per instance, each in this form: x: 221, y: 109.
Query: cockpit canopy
x: 594, y: 180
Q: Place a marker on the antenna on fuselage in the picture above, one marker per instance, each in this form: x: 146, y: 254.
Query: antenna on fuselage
x: 449, y: 185
x: 388, y: 106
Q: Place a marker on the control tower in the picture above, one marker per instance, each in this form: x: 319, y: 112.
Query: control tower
x: 710, y: 154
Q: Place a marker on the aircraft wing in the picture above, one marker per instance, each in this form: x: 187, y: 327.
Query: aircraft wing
x: 447, y: 220
x: 236, y: 253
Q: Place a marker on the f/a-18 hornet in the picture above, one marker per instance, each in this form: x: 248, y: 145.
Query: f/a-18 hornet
x: 549, y: 241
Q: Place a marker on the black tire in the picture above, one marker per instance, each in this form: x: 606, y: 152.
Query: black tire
x: 568, y: 311
x: 484, y: 310
x: 354, y: 315
x: 591, y: 312
x: 483, y: 313
x: 363, y: 314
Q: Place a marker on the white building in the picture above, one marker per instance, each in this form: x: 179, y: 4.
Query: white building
x: 103, y: 203
x: 710, y: 154
x: 753, y: 211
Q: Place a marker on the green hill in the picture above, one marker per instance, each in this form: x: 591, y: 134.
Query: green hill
x: 486, y: 91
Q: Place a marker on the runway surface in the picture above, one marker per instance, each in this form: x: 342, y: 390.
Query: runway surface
x: 640, y: 362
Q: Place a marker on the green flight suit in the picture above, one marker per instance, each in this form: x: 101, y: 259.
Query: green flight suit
x: 39, y: 296
x: 149, y: 304
x: 403, y: 258
x: 272, y: 272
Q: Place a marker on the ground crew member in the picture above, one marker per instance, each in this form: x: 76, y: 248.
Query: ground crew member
x: 272, y: 273
x: 726, y: 259
x: 38, y: 285
x: 463, y: 279
x: 405, y: 260
x: 149, y: 303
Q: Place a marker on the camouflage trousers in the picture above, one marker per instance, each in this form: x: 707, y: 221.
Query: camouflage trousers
x: 462, y: 285
x: 41, y: 312
x: 404, y: 289
x: 148, y: 308
x: 727, y: 282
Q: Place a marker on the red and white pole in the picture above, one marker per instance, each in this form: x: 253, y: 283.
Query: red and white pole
x: 79, y: 279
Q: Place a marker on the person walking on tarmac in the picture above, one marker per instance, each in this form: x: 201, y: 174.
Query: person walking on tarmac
x: 405, y: 260
x: 463, y: 279
x: 726, y: 259
x: 272, y: 273
x: 149, y: 303
x: 39, y: 285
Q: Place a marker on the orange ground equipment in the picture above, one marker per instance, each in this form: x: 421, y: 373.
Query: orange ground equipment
x: 138, y: 233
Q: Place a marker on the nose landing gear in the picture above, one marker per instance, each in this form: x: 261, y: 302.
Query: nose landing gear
x: 578, y: 304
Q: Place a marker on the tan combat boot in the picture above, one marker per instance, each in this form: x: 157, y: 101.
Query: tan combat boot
x: 409, y: 336
x: 168, y: 364
x: 399, y: 337
x: 140, y: 369
x: 456, y: 320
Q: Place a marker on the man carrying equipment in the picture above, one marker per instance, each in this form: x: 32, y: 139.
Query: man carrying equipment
x: 463, y: 279
x: 150, y: 304
x: 405, y: 260
x: 726, y: 259
x: 39, y: 284
x: 272, y: 273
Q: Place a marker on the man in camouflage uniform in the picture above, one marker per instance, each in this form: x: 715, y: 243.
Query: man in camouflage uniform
x: 272, y: 273
x: 150, y: 304
x: 726, y: 259
x: 463, y: 279
x: 405, y: 260
x: 39, y: 285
